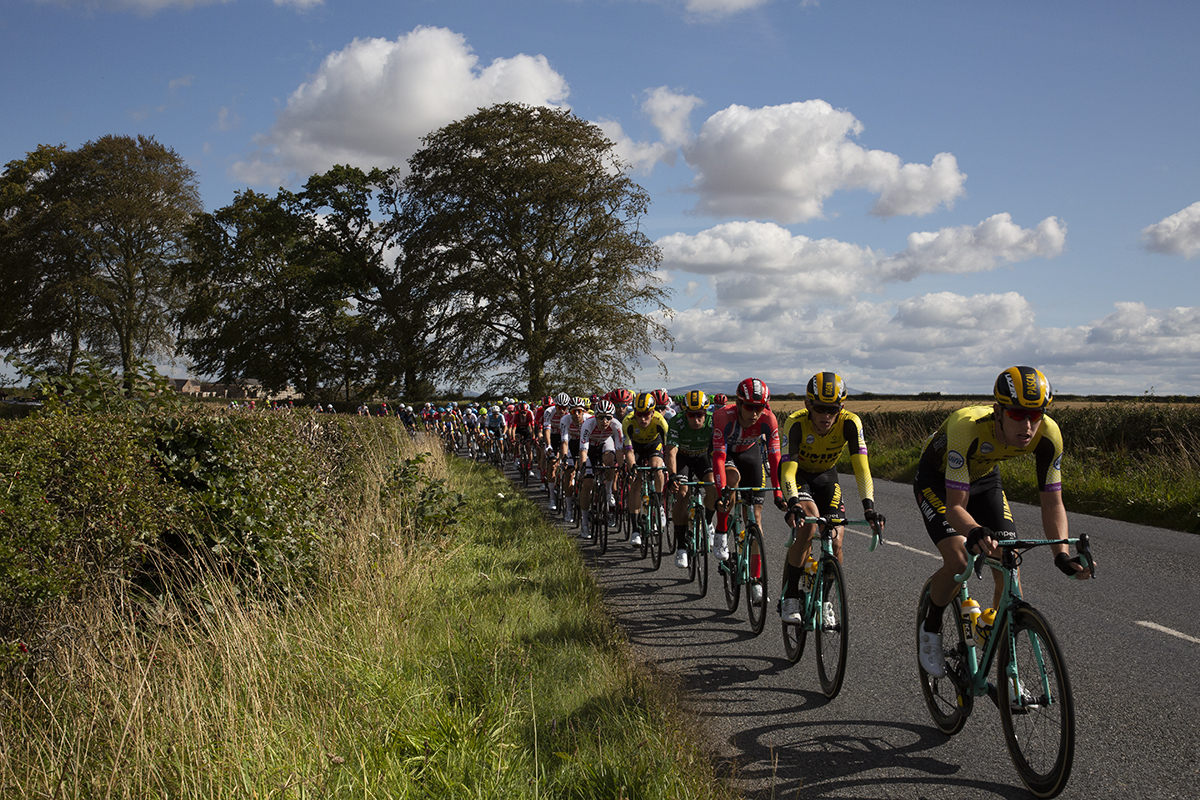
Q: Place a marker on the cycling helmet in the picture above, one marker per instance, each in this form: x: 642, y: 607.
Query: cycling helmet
x: 548, y: 400
x: 661, y: 398
x: 594, y: 399
x: 623, y: 397
x: 563, y: 399
x: 495, y: 409
x: 694, y: 400
x: 522, y: 406
x: 754, y: 391
x: 1023, y: 387
x: 578, y: 402
x: 720, y: 399
x: 510, y: 408
x: 606, y: 407
x: 827, y: 388
x: 644, y: 402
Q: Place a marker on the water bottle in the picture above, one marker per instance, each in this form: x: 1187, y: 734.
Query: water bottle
x: 970, y: 619
x: 810, y: 573
x: 983, y: 626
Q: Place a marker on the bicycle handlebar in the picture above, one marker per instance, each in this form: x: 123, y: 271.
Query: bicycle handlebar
x: 1082, y: 548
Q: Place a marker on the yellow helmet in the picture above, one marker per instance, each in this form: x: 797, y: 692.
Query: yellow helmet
x: 1023, y: 387
x: 826, y: 388
x: 695, y: 400
x: 644, y: 402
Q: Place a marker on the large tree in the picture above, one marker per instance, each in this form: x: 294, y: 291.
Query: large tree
x: 529, y: 221
x: 88, y: 241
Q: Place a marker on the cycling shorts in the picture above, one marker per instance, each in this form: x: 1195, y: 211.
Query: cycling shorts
x: 749, y: 465
x: 696, y: 466
x: 986, y: 503
x: 823, y: 489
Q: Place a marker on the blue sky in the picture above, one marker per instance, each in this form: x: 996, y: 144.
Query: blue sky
x: 914, y: 194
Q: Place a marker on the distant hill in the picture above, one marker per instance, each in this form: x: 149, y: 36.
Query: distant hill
x: 711, y: 387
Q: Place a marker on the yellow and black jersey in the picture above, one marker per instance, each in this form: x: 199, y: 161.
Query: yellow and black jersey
x: 965, y: 449
x: 637, y: 437
x: 807, y: 451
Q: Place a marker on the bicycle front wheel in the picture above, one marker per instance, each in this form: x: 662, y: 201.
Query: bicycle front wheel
x: 699, y: 554
x: 1036, y: 707
x: 832, y: 628
x: 731, y: 570
x: 948, y: 703
x: 654, y: 517
x: 601, y: 529
x: 756, y: 589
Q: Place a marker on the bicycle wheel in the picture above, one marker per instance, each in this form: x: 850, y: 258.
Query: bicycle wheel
x: 831, y: 630
x: 731, y: 570
x: 1038, y: 713
x: 757, y: 609
x: 599, y: 504
x: 653, y: 516
x: 794, y: 636
x: 698, y: 558
x: 690, y: 544
x: 668, y: 532
x: 948, y: 704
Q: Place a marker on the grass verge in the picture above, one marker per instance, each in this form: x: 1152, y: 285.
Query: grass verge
x: 476, y: 663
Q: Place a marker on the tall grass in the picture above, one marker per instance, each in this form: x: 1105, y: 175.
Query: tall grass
x: 1138, y: 462
x: 472, y: 663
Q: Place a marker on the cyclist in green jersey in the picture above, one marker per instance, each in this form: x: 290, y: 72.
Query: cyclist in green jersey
x: 689, y: 449
x: 960, y: 497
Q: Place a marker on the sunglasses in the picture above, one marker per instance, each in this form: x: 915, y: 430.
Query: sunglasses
x: 826, y: 409
x: 604, y: 417
x: 645, y: 414
x: 1022, y: 414
x: 753, y: 408
x: 697, y: 414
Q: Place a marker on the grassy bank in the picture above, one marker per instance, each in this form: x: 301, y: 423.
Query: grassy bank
x: 1138, y: 462
x: 432, y: 660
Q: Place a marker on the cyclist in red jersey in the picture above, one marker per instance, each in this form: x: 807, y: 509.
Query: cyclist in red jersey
x: 740, y: 433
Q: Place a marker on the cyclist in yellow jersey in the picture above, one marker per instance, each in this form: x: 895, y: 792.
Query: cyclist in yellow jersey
x: 813, y: 439
x: 961, y: 499
x: 644, y: 432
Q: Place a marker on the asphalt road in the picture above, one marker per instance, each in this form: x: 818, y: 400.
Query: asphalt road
x: 1131, y: 639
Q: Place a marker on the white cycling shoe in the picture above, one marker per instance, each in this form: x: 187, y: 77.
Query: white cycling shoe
x: 791, y: 611
x: 930, y: 654
x: 681, y: 558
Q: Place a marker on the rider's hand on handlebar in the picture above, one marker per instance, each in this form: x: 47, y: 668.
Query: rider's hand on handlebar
x: 981, y: 540
x: 875, y: 519
x: 794, y: 512
x: 1072, y: 567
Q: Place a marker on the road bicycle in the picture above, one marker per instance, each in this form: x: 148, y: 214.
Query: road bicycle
x: 697, y: 536
x: 1032, y: 690
x: 823, y: 605
x: 745, y: 565
x: 653, y: 517
x: 622, y: 525
x: 598, y: 510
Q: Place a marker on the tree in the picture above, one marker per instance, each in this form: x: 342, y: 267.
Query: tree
x: 528, y: 220
x: 263, y: 306
x: 89, y: 241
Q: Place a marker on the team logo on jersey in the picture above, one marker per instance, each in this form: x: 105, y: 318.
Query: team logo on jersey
x: 810, y: 439
x: 954, y: 460
x: 986, y: 448
x: 1058, y: 462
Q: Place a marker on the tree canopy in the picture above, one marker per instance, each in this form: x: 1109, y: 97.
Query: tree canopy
x: 88, y: 241
x: 529, y: 221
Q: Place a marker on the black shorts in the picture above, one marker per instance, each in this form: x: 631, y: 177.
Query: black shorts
x: 695, y: 465
x: 823, y: 489
x: 644, y: 452
x: 525, y: 434
x: 986, y: 503
x: 749, y: 464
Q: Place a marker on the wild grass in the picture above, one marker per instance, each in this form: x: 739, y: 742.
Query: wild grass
x: 1132, y: 461
x: 470, y: 662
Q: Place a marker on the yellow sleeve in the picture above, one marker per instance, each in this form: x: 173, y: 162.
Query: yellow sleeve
x: 862, y: 475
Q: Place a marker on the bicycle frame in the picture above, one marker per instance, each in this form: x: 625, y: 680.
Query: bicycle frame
x: 980, y: 664
x: 815, y: 597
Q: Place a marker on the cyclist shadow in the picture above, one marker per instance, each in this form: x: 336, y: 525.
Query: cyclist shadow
x: 852, y: 758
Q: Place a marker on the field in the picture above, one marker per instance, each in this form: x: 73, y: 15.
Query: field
x: 785, y: 407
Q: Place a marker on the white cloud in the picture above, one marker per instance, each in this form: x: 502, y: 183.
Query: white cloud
x: 941, y: 342
x: 669, y: 112
x: 759, y: 264
x: 715, y: 9
x: 300, y: 5
x: 370, y: 102
x: 783, y: 162
x: 1178, y: 234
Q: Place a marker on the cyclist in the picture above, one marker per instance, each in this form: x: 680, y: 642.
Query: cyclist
x: 568, y: 430
x: 645, y: 433
x: 600, y: 433
x: 520, y: 434
x: 813, y: 439
x: 740, y: 433
x: 493, y: 425
x: 552, y: 436
x: 960, y: 497
x: 662, y: 402
x: 689, y: 450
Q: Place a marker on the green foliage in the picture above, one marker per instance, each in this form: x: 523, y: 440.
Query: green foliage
x: 96, y: 390
x: 433, y: 508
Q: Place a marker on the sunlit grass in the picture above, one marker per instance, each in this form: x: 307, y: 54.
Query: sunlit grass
x: 479, y: 664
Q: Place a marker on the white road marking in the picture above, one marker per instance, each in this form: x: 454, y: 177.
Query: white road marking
x: 897, y: 544
x: 1163, y: 629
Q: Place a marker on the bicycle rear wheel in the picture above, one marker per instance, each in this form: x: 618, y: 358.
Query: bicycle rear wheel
x: 757, y: 609
x: 1038, y: 712
x: 832, y: 628
x: 653, y: 516
x: 731, y: 570
x: 949, y: 705
x: 698, y: 558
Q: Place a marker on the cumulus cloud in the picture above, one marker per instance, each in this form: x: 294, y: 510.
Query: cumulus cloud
x: 371, y: 102
x: 941, y: 342
x: 670, y: 113
x: 783, y: 162
x: 1177, y: 235
x: 759, y: 264
x: 715, y: 9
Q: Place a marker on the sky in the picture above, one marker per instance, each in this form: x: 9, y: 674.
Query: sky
x: 913, y: 194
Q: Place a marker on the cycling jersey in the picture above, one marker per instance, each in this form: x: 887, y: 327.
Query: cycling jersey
x: 731, y: 439
x: 642, y: 439
x: 806, y: 451
x: 965, y: 449
x: 690, y: 441
x: 596, y: 434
